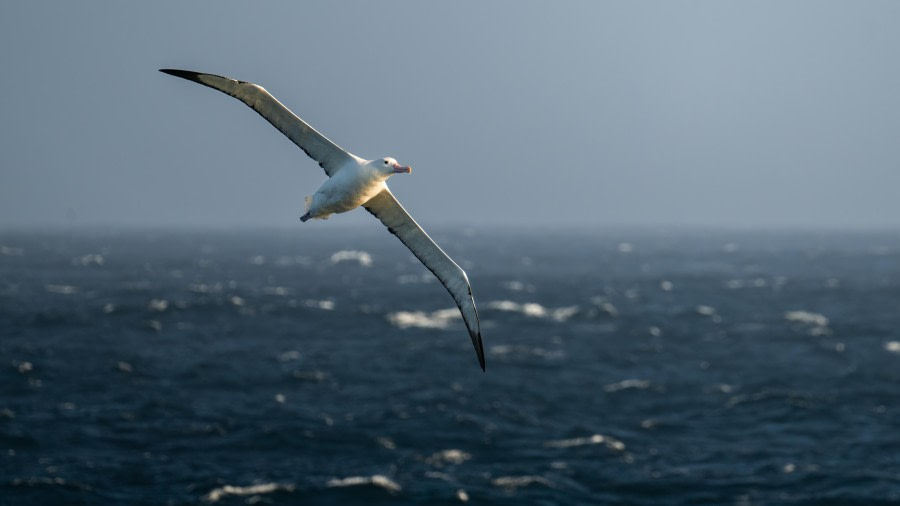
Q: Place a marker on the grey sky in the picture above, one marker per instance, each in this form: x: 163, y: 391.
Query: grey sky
x: 759, y: 114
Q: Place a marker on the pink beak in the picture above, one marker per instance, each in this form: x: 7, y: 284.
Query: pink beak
x: 400, y: 168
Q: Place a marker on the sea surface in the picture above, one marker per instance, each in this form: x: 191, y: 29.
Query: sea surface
x: 325, y: 365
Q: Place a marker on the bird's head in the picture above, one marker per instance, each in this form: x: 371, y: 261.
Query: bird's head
x: 388, y: 166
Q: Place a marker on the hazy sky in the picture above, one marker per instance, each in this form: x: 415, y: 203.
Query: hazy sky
x: 747, y: 114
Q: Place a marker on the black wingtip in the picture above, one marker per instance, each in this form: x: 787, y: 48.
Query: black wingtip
x: 479, y: 349
x: 184, y: 74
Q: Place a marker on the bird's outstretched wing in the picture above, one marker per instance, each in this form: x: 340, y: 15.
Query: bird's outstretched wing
x: 386, y: 208
x: 330, y: 156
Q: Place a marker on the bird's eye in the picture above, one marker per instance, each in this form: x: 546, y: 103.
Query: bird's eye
x: 385, y: 162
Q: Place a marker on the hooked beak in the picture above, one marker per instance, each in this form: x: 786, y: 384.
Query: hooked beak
x: 400, y: 168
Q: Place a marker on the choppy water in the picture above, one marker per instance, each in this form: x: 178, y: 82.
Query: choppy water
x: 327, y: 367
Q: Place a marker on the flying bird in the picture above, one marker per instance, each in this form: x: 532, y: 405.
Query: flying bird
x: 353, y: 182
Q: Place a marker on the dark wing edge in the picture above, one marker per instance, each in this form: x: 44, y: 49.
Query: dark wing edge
x: 386, y: 208
x: 330, y: 156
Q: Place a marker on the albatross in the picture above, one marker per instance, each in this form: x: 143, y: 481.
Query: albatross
x: 353, y: 182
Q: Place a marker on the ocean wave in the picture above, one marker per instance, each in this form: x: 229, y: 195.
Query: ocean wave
x: 514, y: 482
x: 377, y: 480
x: 892, y: 346
x: 439, y: 319
x: 817, y: 323
x: 451, y: 456
x: 216, y: 494
x: 158, y: 305
x: 605, y: 306
x: 628, y: 384
x: 535, y: 310
x: 327, y: 305
x: 806, y: 317
x: 289, y: 356
x: 596, y: 439
x: 364, y: 258
x: 709, y: 311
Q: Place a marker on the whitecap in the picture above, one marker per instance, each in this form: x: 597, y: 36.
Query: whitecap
x: 158, y: 305
x: 666, y: 286
x: 377, y: 480
x: 627, y: 384
x: 709, y: 311
x: 362, y: 257
x: 892, y: 346
x: 451, y: 456
x: 605, y: 305
x: 288, y: 356
x: 262, y: 488
x: 562, y: 314
x: 596, y: 439
x: 705, y: 310
x: 435, y: 320
x: 806, y: 317
x: 257, y: 260
x: 513, y: 482
x: 387, y: 442
x: 326, y: 305
x: 515, y: 286
x: 534, y: 310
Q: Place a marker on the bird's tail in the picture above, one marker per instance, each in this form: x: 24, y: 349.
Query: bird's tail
x: 308, y: 204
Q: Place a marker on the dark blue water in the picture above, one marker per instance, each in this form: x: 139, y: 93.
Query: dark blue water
x: 651, y: 368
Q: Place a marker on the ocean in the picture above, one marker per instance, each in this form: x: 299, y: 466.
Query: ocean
x: 325, y: 365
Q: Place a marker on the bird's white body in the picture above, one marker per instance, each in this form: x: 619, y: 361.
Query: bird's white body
x: 352, y: 186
